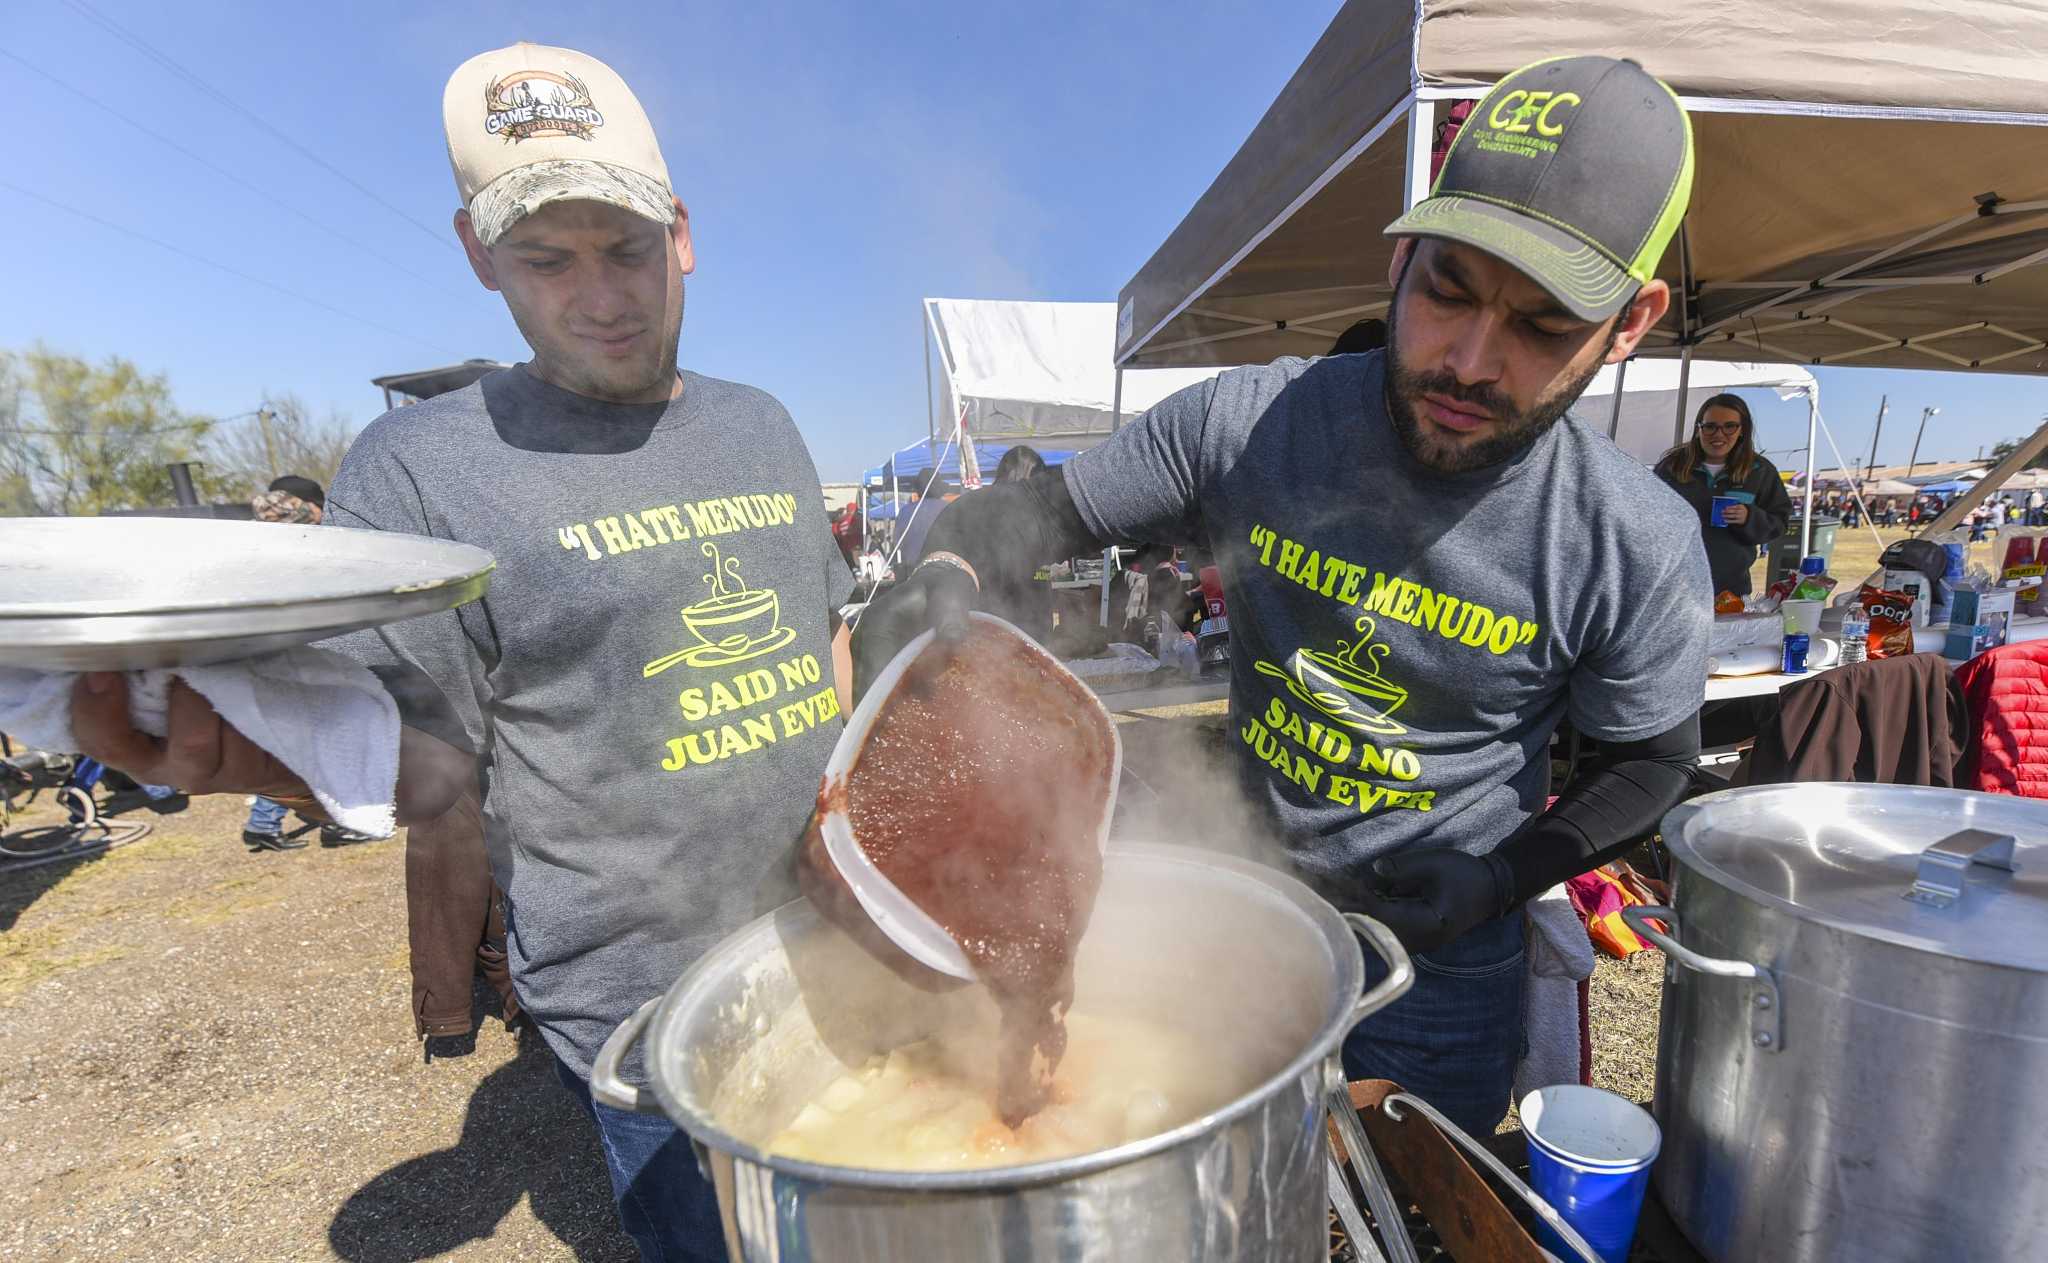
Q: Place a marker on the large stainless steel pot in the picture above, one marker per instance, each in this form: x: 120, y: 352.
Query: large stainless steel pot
x: 1246, y: 959
x: 1853, y: 1063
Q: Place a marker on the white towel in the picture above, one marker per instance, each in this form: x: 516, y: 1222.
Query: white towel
x: 320, y: 714
x: 1559, y: 956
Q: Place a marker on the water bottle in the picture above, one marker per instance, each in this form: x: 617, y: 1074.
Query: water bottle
x: 1855, y: 634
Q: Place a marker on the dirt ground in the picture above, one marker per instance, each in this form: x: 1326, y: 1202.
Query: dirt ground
x: 208, y: 1055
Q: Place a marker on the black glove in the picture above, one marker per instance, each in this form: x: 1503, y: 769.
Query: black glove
x: 1432, y: 896
x: 937, y: 595
x: 993, y: 536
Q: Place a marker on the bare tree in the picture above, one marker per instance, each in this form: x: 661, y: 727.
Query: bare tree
x: 284, y: 438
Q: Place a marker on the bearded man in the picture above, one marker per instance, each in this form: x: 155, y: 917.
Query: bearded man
x: 1428, y: 563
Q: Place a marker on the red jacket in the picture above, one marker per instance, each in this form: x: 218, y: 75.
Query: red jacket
x: 2007, y: 690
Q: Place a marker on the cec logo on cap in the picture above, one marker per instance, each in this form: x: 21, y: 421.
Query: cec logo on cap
x: 1576, y: 171
x: 529, y: 125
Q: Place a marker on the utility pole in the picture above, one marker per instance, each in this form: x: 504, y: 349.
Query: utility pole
x: 1870, y: 467
x: 1914, y: 459
x: 263, y: 415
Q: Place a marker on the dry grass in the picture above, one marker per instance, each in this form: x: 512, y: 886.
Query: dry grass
x: 28, y: 957
x: 1856, y: 554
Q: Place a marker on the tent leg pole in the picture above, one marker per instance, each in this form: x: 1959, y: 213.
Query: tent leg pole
x: 1806, y: 521
x: 931, y: 413
x: 1685, y: 339
x: 1421, y: 140
x: 1116, y: 421
x: 1684, y: 384
x: 1614, y: 417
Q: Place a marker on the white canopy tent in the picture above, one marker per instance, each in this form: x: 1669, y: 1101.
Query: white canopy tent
x: 1640, y: 418
x: 1887, y: 487
x: 1025, y: 372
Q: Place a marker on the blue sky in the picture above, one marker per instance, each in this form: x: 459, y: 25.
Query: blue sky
x: 840, y: 162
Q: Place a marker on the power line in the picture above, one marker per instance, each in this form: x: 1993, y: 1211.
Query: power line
x: 199, y: 423
x: 310, y: 301
x: 107, y: 433
x: 136, y: 42
x: 214, y: 167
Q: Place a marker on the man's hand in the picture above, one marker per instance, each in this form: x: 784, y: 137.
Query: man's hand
x: 201, y: 754
x: 937, y: 595
x: 1735, y: 514
x: 1430, y: 897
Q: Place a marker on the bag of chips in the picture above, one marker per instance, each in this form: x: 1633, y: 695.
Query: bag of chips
x: 1891, y: 621
x: 1813, y: 587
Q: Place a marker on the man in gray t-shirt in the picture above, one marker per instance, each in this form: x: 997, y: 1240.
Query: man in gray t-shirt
x: 1428, y: 564
x: 650, y: 690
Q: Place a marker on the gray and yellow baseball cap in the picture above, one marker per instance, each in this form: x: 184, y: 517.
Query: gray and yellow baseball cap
x: 530, y: 124
x: 1576, y: 171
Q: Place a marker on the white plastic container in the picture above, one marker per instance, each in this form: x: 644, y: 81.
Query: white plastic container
x: 907, y: 925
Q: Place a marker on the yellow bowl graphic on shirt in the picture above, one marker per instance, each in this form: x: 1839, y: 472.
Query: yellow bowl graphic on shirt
x: 736, y: 620
x: 1343, y: 691
x: 1354, y: 694
x: 731, y: 625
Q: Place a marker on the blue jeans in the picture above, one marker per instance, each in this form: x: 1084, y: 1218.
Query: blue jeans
x: 266, y: 816
x: 664, y: 1202
x: 1454, y: 1039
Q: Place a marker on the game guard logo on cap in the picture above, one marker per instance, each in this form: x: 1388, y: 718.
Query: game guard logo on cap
x: 539, y: 103
x: 529, y: 125
x: 1576, y: 171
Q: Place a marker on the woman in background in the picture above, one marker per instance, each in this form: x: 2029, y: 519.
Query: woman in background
x: 1720, y: 459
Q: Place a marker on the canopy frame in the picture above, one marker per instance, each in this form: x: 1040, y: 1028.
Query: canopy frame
x: 1846, y: 284
x: 1841, y: 286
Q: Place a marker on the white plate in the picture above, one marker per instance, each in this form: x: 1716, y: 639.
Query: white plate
x: 907, y: 925
x: 126, y: 593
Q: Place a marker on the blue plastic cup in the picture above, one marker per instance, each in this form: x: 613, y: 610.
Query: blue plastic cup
x: 1589, y: 1156
x: 1718, y: 514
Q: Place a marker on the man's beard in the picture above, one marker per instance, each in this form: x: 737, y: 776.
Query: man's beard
x: 641, y: 380
x: 1516, y: 429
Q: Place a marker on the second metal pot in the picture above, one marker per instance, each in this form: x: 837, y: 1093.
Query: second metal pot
x: 1855, y: 1027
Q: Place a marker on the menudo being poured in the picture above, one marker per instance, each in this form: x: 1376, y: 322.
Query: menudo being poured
x: 979, y: 792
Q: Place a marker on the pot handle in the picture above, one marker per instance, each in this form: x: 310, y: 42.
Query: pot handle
x: 1765, y: 1030
x: 1371, y: 1177
x: 1544, y: 1210
x: 1939, y: 881
x: 607, y: 1087
x: 1400, y: 970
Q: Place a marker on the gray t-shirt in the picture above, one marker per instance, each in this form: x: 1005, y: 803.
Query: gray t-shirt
x: 649, y: 680
x: 1402, y: 643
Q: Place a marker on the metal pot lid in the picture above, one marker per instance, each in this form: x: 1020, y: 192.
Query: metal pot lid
x: 128, y: 593
x: 1946, y: 871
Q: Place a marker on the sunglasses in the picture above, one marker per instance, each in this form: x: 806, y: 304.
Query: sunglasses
x: 1720, y: 427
